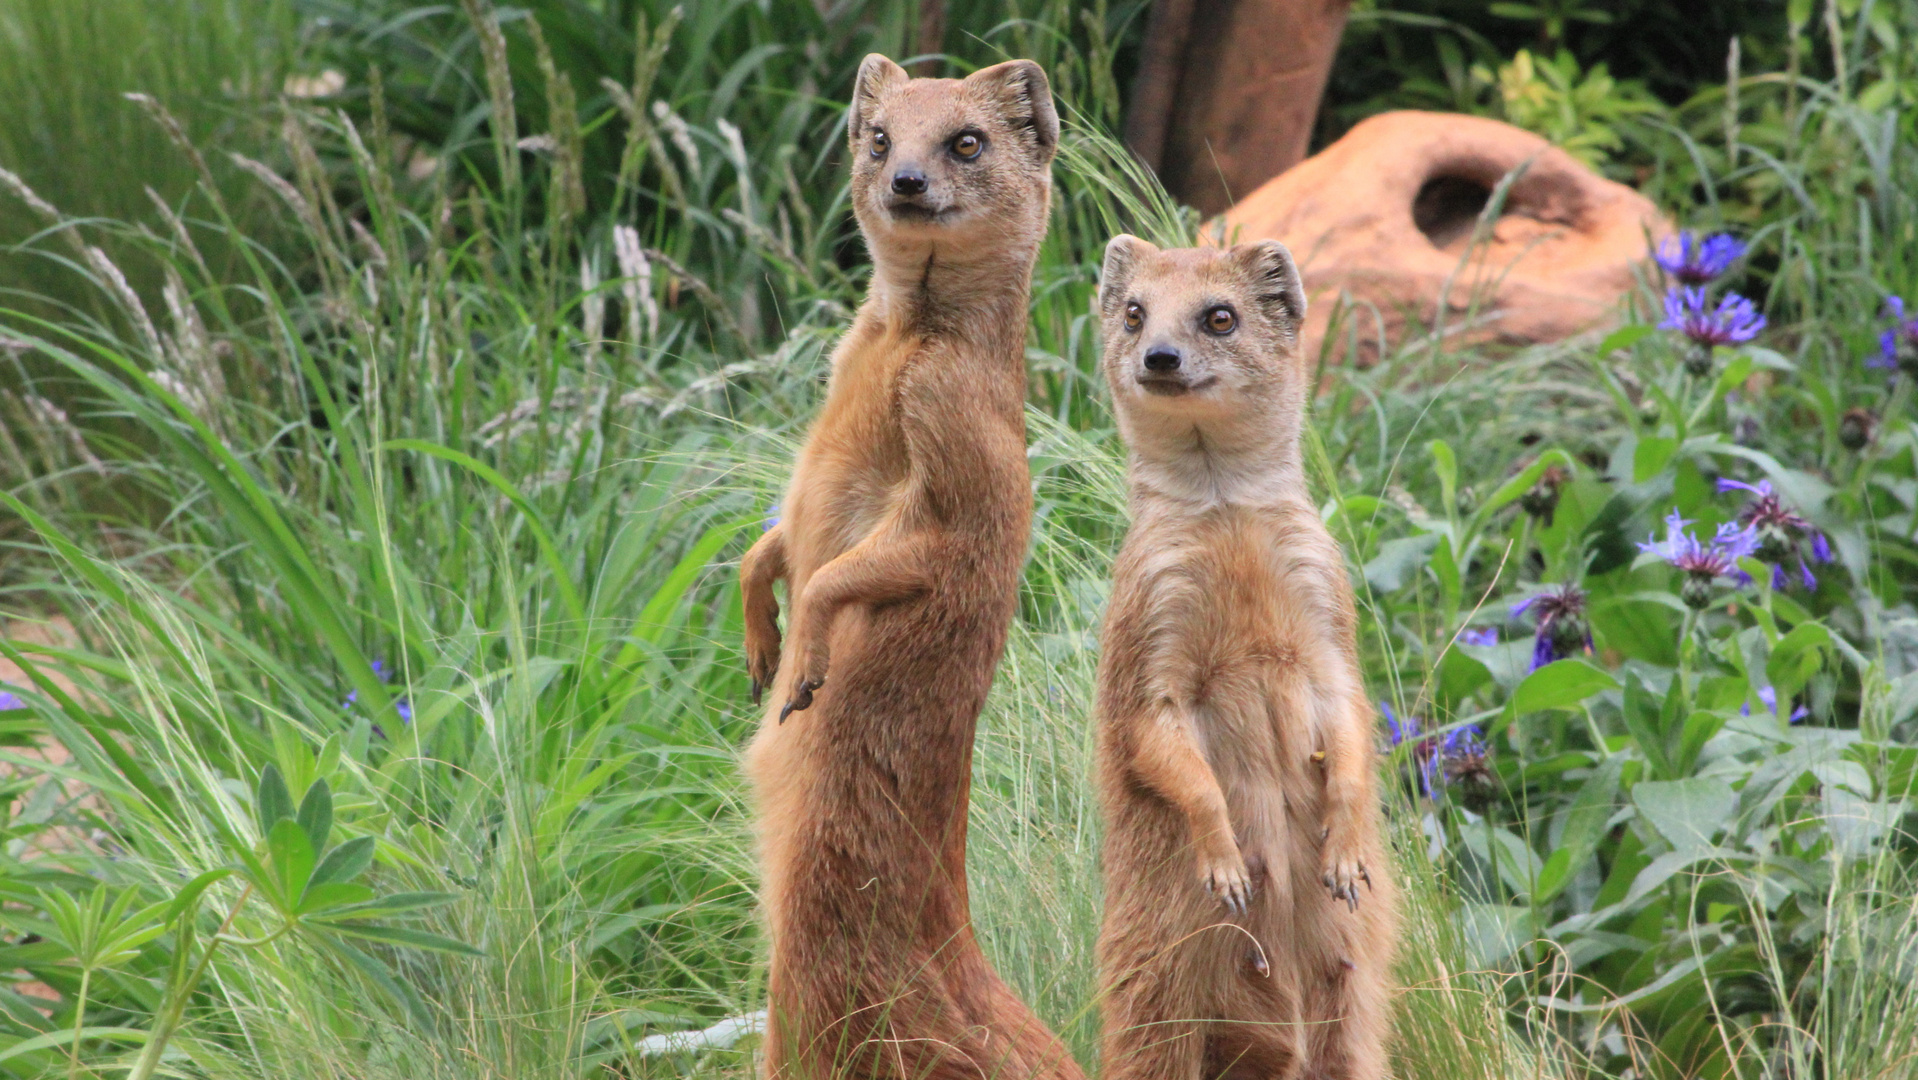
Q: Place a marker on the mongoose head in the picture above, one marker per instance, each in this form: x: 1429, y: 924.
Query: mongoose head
x: 952, y: 159
x: 1203, y: 337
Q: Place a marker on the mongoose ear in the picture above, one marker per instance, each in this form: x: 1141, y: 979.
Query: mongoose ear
x: 1123, y: 253
x: 876, y: 73
x: 1021, y: 88
x: 1275, y: 277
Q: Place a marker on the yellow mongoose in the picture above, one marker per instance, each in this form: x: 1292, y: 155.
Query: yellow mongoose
x: 1249, y: 920
x: 903, y: 534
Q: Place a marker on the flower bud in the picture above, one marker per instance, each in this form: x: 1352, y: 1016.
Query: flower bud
x: 1570, y: 632
x: 1856, y: 428
x: 1541, y: 500
x: 1698, y: 360
x: 1696, y: 591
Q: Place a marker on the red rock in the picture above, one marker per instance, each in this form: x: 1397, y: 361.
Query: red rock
x: 1386, y: 217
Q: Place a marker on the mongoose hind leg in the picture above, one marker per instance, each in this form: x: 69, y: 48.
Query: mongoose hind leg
x: 1343, y: 982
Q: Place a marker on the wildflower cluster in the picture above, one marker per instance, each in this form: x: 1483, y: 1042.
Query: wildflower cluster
x: 1562, y: 629
x: 1782, y: 536
x: 403, y: 706
x: 1898, y: 345
x: 1693, y: 264
x: 1704, y: 561
x: 1455, y: 757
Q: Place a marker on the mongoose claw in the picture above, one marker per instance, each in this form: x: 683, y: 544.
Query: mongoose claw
x: 1343, y: 877
x: 802, y: 698
x: 1227, y: 880
x: 759, y: 691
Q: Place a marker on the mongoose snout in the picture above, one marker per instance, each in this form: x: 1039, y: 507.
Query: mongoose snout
x: 950, y: 159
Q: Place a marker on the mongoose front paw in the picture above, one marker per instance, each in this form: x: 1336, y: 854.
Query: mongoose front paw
x: 1224, y: 876
x: 1342, y: 876
x: 762, y: 667
x: 801, y: 699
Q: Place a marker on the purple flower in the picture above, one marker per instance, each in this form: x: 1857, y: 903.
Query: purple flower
x: 1769, y: 697
x: 1898, y: 345
x: 403, y: 706
x: 1464, y: 759
x: 1732, y: 321
x: 771, y: 518
x: 1483, y: 636
x: 1424, y: 748
x: 10, y: 700
x: 1562, y: 629
x: 1703, y: 561
x: 1781, y: 533
x: 1693, y: 261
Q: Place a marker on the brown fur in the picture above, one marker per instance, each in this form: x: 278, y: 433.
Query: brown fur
x: 1249, y: 920
x: 903, y: 534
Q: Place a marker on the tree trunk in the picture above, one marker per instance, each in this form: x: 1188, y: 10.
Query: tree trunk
x: 1228, y: 92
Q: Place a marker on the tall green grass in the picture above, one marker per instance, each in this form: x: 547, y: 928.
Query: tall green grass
x: 65, y: 69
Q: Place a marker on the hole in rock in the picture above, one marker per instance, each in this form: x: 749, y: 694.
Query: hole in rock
x: 1447, y: 207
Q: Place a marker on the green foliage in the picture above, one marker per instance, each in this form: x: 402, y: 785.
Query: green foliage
x: 1579, y: 111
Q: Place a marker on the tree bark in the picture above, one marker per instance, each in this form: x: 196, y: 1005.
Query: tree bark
x: 1228, y: 92
x: 930, y: 37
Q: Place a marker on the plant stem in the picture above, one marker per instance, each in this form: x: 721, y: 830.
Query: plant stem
x: 79, y: 1022
x: 175, y: 1008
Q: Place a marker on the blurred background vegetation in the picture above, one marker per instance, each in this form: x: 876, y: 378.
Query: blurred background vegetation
x: 405, y: 436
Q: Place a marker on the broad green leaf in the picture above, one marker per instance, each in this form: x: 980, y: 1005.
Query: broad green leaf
x: 1445, y: 464
x: 1445, y: 568
x: 1520, y: 484
x: 1654, y: 452
x: 1795, y: 659
x: 1398, y: 559
x: 1688, y: 812
x: 66, y: 1035
x: 404, y: 935
x: 190, y: 893
x: 273, y: 801
x: 316, y: 814
x: 1560, y: 685
x: 289, y: 857
x: 346, y: 862
x: 394, y: 904
x: 1585, y: 821
x: 1495, y: 931
x: 1858, y: 824
x: 333, y: 894
x: 1662, y: 868
x: 1518, y: 865
x: 1700, y: 726
x: 1625, y: 337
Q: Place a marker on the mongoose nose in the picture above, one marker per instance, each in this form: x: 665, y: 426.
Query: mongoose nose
x: 1162, y: 358
x: 909, y: 181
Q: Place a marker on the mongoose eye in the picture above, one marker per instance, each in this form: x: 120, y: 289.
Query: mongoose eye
x: 1221, y: 320
x: 880, y: 144
x: 1134, y: 315
x: 968, y: 146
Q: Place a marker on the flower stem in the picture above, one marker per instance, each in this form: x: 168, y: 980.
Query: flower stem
x: 182, y: 993
x: 79, y: 1022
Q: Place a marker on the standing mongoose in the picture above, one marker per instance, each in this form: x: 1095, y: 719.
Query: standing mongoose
x: 901, y: 542
x: 1249, y: 918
